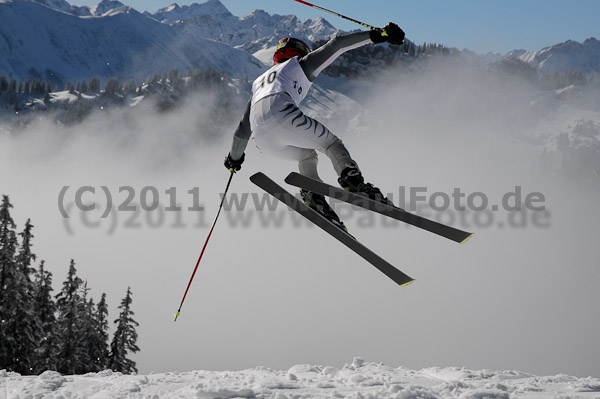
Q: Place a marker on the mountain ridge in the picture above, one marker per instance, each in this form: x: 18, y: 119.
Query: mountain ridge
x: 54, y: 40
x: 569, y: 55
x: 50, y: 44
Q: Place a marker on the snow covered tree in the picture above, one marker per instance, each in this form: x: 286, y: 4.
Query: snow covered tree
x: 25, y: 256
x: 8, y: 269
x: 45, y: 310
x: 71, y: 351
x: 18, y: 322
x: 85, y: 321
x: 100, y: 350
x: 124, y: 340
x: 97, y: 335
x: 28, y: 327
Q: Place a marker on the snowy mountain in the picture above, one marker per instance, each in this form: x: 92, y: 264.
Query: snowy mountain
x: 64, y: 6
x: 174, y: 12
x: 356, y: 380
x: 83, y: 11
x: 563, y: 57
x: 54, y: 40
x: 105, y: 6
x: 253, y: 32
x: 51, y: 44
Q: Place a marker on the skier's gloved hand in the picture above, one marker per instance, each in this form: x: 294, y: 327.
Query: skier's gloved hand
x: 233, y: 165
x: 390, y: 33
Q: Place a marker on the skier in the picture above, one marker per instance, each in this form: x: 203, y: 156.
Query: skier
x: 280, y: 127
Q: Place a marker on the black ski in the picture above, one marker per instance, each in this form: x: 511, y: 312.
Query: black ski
x: 363, y: 201
x: 264, y: 182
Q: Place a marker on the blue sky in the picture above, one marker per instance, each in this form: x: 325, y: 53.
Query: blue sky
x: 480, y: 25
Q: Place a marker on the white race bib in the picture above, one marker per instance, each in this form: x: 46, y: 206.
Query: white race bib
x: 287, y: 77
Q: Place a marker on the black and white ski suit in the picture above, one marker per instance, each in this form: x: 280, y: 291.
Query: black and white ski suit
x: 279, y: 127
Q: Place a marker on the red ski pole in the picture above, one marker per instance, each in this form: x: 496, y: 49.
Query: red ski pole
x: 336, y: 14
x: 178, y: 313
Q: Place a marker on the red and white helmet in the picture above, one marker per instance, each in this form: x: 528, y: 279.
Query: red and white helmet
x: 290, y: 47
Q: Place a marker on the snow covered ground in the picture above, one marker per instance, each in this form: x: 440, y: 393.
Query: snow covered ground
x: 356, y: 380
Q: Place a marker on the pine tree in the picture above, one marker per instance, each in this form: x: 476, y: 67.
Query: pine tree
x: 174, y: 79
x: 69, y: 303
x: 113, y: 87
x: 25, y: 256
x: 3, y: 83
x: 100, y: 350
x: 94, y: 86
x: 124, y: 340
x: 97, y: 335
x: 8, y: 247
x: 11, y: 92
x: 17, y: 341
x: 85, y: 317
x: 28, y: 325
x: 45, y: 309
x: 40, y: 87
x: 129, y: 87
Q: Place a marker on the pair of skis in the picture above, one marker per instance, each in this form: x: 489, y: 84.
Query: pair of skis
x: 295, y: 179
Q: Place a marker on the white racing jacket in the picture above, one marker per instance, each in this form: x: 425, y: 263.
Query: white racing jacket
x: 293, y: 77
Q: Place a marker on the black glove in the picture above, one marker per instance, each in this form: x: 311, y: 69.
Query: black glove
x: 234, y: 165
x: 390, y: 33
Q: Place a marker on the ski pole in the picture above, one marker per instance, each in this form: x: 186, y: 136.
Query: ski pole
x: 336, y: 14
x: 178, y: 313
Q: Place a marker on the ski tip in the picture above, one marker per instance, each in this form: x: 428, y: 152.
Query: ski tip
x: 467, y: 239
x: 407, y: 284
x: 256, y: 176
x: 289, y: 177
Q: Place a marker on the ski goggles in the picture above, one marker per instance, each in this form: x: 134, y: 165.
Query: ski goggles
x: 293, y: 43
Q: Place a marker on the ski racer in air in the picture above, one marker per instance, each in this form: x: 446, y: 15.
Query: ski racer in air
x: 281, y: 129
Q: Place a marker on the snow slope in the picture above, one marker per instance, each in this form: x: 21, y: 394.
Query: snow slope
x: 356, y: 380
x: 42, y: 42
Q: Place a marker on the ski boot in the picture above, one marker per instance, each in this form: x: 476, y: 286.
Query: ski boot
x: 317, y: 202
x: 352, y: 180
